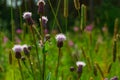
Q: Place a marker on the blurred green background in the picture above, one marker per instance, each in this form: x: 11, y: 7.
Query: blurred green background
x: 98, y: 11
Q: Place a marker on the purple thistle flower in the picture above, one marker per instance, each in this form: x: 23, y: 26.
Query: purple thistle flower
x: 5, y: 39
x: 17, y: 49
x: 40, y: 5
x: 89, y: 28
x: 76, y: 29
x: 60, y: 38
x: 44, y: 20
x: 18, y: 31
x: 28, y: 17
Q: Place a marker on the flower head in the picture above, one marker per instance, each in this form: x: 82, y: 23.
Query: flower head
x: 76, y: 29
x: 80, y: 63
x: 40, y: 5
x: 60, y: 37
x: 27, y: 15
x: 44, y: 20
x: 28, y: 18
x: 40, y: 1
x: 18, y: 31
x: 89, y: 28
x: 17, y: 48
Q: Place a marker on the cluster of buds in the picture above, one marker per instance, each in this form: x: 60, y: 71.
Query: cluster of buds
x: 18, y: 49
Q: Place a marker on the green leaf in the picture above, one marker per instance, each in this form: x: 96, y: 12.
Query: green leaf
x: 48, y: 76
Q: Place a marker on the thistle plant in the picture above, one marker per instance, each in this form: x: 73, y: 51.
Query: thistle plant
x: 80, y: 66
x: 17, y: 50
x: 60, y: 38
x: 28, y: 17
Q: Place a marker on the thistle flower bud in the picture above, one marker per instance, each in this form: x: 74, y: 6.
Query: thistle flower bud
x: 28, y: 18
x: 23, y: 58
x: 29, y: 47
x: 26, y: 51
x: 40, y: 5
x: 114, y: 78
x: 72, y: 68
x: 47, y: 36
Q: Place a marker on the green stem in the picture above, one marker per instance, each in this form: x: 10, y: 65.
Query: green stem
x: 56, y: 13
x: 55, y: 16
x: 36, y: 49
x: 66, y: 24
x: 31, y: 68
x: 58, y: 63
x: 42, y: 28
x: 44, y: 65
x: 12, y: 22
x: 20, y: 69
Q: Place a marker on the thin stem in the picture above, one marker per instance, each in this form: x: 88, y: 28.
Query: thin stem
x: 55, y: 16
x: 44, y: 65
x: 12, y: 22
x: 42, y: 28
x: 66, y: 24
x: 31, y: 68
x: 20, y: 69
x: 58, y: 63
x: 25, y: 5
x: 36, y: 49
x: 56, y: 13
x: 37, y: 32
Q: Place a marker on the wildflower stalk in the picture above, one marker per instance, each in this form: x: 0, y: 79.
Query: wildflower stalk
x: 44, y: 65
x: 77, y: 4
x: 20, y: 12
x: 77, y: 7
x: 42, y: 30
x: 36, y: 49
x: 25, y: 5
x: 31, y: 68
x: 83, y: 16
x: 101, y: 72
x: 58, y: 62
x: 12, y: 22
x: 55, y: 16
x: 66, y: 12
x: 37, y: 32
x: 24, y: 63
x: 114, y: 50
x: 20, y: 69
